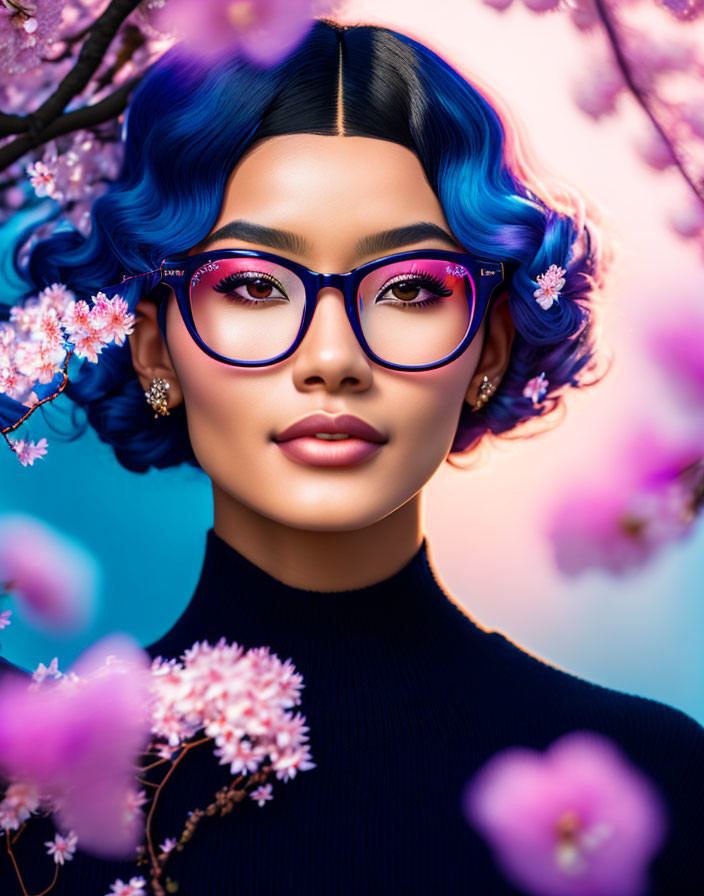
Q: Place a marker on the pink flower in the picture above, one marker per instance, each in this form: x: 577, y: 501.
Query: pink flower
x: 262, y: 794
x: 28, y: 452
x: 578, y: 820
x: 168, y: 845
x: 620, y: 520
x: 136, y: 887
x: 5, y: 618
x: 62, y: 848
x: 78, y: 738
x: 54, y: 578
x: 42, y: 178
x: 20, y: 800
x: 550, y: 283
x: 536, y: 388
x: 265, y: 31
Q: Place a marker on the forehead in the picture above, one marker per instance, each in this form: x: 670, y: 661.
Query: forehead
x: 329, y: 189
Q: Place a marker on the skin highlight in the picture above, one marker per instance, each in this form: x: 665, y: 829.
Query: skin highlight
x: 322, y: 529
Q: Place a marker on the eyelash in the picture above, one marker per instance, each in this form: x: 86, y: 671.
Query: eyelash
x: 419, y: 278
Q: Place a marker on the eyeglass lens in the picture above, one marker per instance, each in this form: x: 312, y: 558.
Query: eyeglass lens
x: 412, y: 312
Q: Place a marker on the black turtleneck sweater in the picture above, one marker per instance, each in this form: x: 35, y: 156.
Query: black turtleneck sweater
x: 405, y: 698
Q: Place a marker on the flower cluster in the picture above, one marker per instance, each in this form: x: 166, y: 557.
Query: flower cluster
x: 239, y: 699
x: 43, y: 332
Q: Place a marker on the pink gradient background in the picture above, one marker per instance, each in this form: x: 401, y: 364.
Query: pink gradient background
x: 643, y: 633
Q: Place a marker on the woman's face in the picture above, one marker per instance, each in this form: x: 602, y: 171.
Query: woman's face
x: 330, y: 191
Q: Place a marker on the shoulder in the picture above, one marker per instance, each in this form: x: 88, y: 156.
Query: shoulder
x: 8, y: 668
x: 561, y: 689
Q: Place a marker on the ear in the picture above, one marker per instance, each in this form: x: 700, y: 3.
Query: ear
x: 495, y: 356
x: 150, y: 356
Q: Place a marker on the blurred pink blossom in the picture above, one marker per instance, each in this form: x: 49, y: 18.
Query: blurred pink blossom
x: 684, y: 10
x: 618, y: 521
x: 678, y: 344
x: 27, y: 29
x: 53, y: 578
x: 578, y: 820
x: 653, y: 149
x: 77, y: 740
x: 5, y: 618
x: 597, y: 88
x: 688, y: 221
x: 265, y: 31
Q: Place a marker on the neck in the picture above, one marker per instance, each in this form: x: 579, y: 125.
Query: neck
x: 320, y: 560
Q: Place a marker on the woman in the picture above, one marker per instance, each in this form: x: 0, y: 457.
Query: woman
x: 362, y: 152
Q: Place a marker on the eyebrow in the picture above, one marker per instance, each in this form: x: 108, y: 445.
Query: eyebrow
x: 372, y: 244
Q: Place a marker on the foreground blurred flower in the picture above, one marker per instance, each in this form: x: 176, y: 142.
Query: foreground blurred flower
x: 265, y: 31
x: 678, y: 344
x: 53, y: 579
x: 75, y: 740
x: 578, y: 820
x: 617, y: 522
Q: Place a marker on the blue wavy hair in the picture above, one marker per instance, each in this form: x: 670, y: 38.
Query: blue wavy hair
x: 189, y: 122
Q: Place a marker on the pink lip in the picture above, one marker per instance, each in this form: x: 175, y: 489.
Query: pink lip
x: 323, y: 453
x: 321, y: 422
x: 298, y: 441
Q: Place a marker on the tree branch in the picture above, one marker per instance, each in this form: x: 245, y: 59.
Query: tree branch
x: 622, y: 62
x: 86, y: 116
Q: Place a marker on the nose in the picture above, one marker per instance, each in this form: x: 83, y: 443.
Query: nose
x: 329, y: 354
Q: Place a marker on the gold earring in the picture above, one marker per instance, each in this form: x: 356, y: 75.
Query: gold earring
x: 158, y: 396
x: 486, y: 390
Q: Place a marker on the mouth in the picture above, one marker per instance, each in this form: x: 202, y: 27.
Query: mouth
x: 324, y: 440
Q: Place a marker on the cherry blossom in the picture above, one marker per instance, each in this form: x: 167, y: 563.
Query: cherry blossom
x: 549, y: 285
x: 27, y: 451
x: 135, y: 887
x: 239, y: 699
x: 5, y: 618
x: 34, y: 344
x: 262, y: 794
x: 578, y: 820
x: 536, y: 388
x: 62, y: 848
x: 168, y: 845
x: 53, y: 578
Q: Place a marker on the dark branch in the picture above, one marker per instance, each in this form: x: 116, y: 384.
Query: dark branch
x: 77, y: 119
x: 622, y: 62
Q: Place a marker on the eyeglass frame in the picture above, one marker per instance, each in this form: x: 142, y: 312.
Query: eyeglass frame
x: 177, y: 270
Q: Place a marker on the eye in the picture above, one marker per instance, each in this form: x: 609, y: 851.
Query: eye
x: 260, y: 287
x: 406, y: 289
